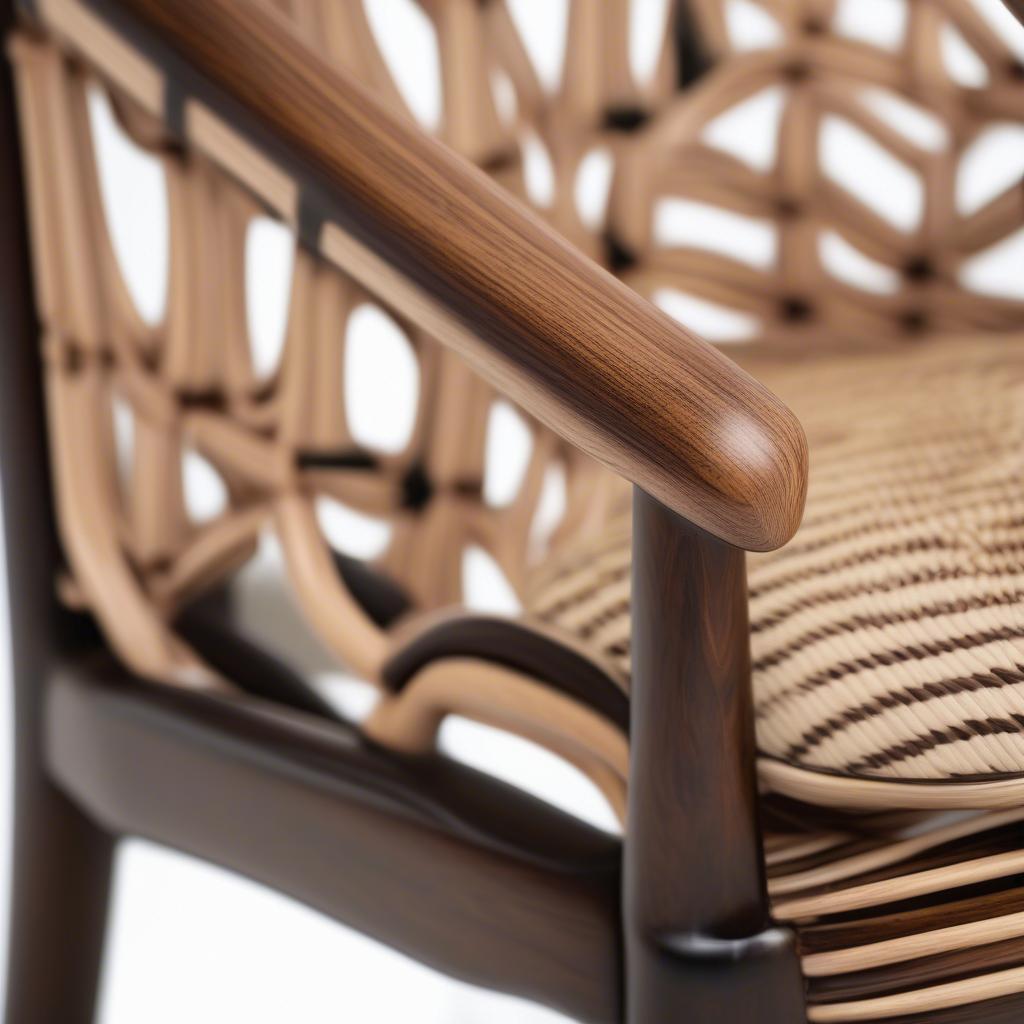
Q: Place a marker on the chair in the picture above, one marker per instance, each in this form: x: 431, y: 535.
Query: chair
x: 819, y: 774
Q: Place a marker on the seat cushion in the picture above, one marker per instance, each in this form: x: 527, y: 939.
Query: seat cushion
x: 888, y: 635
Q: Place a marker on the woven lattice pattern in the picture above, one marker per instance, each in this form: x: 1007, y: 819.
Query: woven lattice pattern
x: 840, y: 266
x: 848, y: 256
x: 495, y: 108
x: 888, y: 636
x: 280, y: 441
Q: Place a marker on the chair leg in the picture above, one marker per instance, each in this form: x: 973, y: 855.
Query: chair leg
x: 58, y: 907
x: 700, y: 944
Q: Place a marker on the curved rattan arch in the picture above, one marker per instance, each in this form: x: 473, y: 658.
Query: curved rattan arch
x: 134, y: 557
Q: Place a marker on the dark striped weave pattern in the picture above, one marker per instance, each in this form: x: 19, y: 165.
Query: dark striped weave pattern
x: 888, y: 636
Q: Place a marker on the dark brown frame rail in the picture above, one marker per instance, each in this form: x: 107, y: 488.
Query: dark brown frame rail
x: 510, y: 893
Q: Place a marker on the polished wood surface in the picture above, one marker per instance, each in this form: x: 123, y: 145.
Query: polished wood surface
x: 695, y: 895
x: 452, y: 867
x: 563, y: 338
x: 62, y: 861
x: 507, y: 893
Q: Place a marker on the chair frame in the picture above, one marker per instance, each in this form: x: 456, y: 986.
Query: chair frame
x: 515, y: 895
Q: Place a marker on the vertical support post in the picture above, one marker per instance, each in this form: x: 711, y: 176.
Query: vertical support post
x: 700, y: 945
x: 61, y: 861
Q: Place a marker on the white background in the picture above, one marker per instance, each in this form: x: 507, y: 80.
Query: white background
x: 189, y: 942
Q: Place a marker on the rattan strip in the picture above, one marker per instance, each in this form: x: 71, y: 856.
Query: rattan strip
x: 826, y: 789
x: 835, y: 870
x: 980, y: 988
x: 241, y: 458
x: 891, y: 951
x: 189, y: 382
x: 847, y: 911
x: 874, y: 950
x: 921, y: 883
x: 823, y: 77
x: 234, y: 440
x: 614, y: 637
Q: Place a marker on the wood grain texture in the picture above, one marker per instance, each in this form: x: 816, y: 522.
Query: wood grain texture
x: 567, y: 341
x: 462, y: 872
x: 698, y: 931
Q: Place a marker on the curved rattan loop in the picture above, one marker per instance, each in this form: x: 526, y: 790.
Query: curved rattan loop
x: 489, y: 693
x: 282, y: 442
x: 278, y: 443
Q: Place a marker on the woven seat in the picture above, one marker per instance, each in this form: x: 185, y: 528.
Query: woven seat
x: 849, y: 255
x: 888, y: 636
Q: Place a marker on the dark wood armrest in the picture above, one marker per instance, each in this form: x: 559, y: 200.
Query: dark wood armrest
x: 564, y: 339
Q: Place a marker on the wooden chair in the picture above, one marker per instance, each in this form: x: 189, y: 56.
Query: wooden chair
x: 820, y: 787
